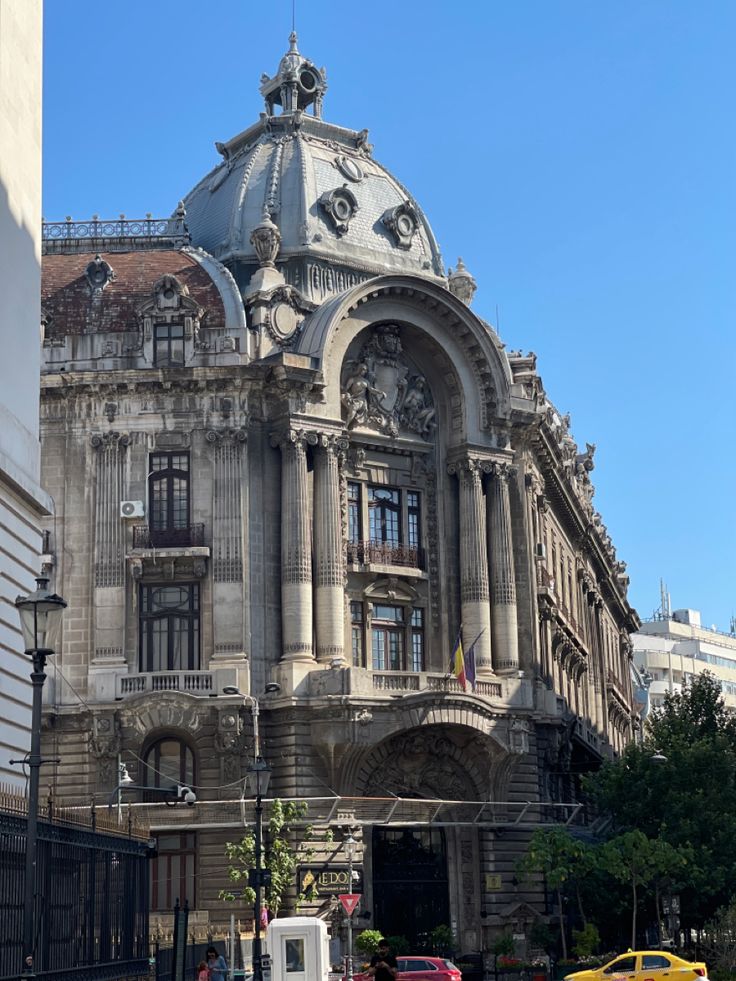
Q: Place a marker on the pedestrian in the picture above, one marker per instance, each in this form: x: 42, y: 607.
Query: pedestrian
x: 383, y: 963
x: 203, y: 972
x: 216, y: 965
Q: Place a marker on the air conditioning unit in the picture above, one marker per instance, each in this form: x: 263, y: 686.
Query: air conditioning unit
x: 540, y: 551
x: 131, y: 509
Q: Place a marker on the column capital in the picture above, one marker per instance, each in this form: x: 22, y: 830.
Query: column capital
x: 331, y: 442
x: 111, y: 439
x: 297, y: 439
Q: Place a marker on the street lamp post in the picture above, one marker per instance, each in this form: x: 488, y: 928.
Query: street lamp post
x: 257, y: 780
x: 40, y: 620
x: 350, y: 846
x: 259, y: 775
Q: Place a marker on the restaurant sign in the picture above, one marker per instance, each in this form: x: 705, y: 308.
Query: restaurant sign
x: 329, y: 880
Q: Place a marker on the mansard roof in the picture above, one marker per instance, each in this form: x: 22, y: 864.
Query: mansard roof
x: 103, y: 292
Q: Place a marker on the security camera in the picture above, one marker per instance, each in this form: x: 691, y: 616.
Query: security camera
x: 187, y: 795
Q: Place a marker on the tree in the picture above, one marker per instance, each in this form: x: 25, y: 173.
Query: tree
x: 637, y: 860
x: 554, y: 853
x: 280, y: 857
x: 688, y: 801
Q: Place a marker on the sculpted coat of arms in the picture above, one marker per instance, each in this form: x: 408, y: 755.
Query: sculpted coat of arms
x: 380, y: 392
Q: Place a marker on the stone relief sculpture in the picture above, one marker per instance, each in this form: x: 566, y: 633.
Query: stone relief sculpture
x: 377, y: 391
x: 361, y: 399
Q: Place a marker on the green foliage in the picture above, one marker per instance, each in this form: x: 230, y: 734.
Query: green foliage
x: 559, y: 857
x: 689, y: 801
x: 719, y: 943
x: 367, y: 941
x: 503, y: 946
x: 542, y: 935
x: 585, y: 941
x: 282, y: 853
x: 398, y: 943
x: 443, y: 939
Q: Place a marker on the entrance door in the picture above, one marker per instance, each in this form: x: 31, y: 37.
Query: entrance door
x: 410, y: 891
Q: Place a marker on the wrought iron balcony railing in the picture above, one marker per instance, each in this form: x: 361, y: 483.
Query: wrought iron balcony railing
x: 385, y: 553
x: 154, y: 232
x: 189, y: 537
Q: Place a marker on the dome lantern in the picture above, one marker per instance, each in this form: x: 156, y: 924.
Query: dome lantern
x: 297, y: 84
x: 461, y: 284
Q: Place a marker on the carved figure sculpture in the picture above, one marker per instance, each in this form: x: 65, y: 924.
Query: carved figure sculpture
x: 418, y: 413
x: 358, y: 395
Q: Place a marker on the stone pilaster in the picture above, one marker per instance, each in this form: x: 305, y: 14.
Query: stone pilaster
x: 231, y: 626
x: 329, y: 562
x: 108, y: 600
x: 474, y: 592
x: 503, y: 583
x: 296, y: 549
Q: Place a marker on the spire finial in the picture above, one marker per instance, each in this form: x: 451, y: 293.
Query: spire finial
x: 461, y: 284
x: 293, y: 42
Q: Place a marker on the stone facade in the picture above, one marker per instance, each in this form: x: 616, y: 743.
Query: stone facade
x: 327, y: 480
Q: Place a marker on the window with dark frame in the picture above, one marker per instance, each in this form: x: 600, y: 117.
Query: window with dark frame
x: 393, y: 519
x: 169, y: 627
x: 356, y: 633
x: 417, y: 639
x: 168, y: 345
x: 173, y: 871
x: 387, y: 637
x: 168, y: 498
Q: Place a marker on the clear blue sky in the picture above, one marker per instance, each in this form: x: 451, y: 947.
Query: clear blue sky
x: 579, y: 155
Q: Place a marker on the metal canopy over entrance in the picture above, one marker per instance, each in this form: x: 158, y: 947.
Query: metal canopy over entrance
x: 367, y: 811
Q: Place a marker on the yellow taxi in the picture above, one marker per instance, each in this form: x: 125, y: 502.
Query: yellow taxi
x: 644, y: 965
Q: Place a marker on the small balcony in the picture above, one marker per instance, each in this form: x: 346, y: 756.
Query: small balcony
x: 192, y: 536
x: 190, y: 682
x: 385, y: 553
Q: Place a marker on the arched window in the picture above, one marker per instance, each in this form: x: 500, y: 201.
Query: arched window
x: 168, y: 762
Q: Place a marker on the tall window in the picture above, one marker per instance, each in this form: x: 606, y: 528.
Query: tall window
x: 168, y: 345
x: 392, y: 518
x: 354, y: 522
x: 356, y: 633
x: 169, y: 627
x: 168, y: 495
x: 384, y: 515
x: 412, y: 523
x: 173, y: 871
x: 417, y: 639
x: 387, y: 638
x: 168, y: 762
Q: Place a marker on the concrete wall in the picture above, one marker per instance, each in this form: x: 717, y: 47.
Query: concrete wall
x: 22, y: 502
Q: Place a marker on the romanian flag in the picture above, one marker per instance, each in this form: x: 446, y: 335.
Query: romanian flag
x: 470, y: 662
x: 457, y: 662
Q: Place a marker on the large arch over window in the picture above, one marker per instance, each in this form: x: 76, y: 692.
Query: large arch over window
x: 167, y: 762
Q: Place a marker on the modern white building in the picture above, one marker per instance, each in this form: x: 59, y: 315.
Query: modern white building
x: 22, y: 502
x: 675, y: 646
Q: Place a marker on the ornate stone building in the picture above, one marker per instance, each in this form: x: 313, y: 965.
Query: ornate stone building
x: 331, y: 467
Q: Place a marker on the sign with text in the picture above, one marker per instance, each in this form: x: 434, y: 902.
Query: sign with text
x: 329, y: 880
x: 349, y: 902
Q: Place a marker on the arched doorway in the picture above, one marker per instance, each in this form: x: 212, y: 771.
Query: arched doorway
x: 410, y: 883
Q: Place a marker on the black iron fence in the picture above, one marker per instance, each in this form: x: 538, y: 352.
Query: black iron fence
x: 91, y: 895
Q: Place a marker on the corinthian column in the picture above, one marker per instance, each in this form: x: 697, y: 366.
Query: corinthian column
x: 475, y: 611
x: 503, y: 583
x: 329, y: 564
x: 296, y: 551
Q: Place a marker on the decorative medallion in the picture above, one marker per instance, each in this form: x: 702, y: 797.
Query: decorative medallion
x: 340, y: 206
x: 99, y: 273
x: 349, y: 168
x: 402, y: 221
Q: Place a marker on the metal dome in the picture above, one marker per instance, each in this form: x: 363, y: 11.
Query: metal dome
x: 318, y: 183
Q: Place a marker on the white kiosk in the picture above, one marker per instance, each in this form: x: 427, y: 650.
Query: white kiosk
x: 300, y: 949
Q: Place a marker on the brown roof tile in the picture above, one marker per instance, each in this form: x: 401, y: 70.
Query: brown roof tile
x: 67, y: 298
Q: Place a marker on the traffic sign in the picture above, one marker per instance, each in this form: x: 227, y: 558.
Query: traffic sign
x: 349, y: 901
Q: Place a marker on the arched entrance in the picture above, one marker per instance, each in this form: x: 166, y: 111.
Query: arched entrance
x: 422, y: 876
x: 410, y: 883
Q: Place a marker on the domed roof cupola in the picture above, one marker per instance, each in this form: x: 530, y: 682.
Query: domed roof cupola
x: 296, y: 85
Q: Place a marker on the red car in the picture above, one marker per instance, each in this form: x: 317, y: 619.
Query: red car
x: 420, y: 968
